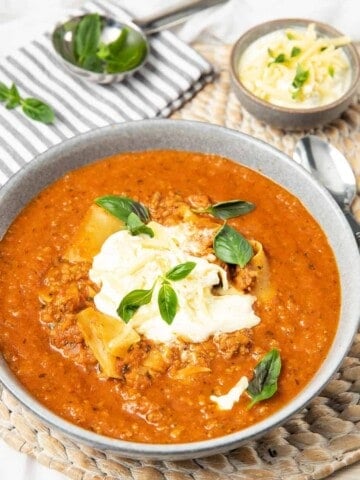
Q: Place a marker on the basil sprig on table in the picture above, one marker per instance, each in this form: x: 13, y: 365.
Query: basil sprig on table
x: 229, y: 209
x: 125, y: 53
x: 134, y: 214
x: 32, y: 107
x: 266, y: 374
x: 167, y: 298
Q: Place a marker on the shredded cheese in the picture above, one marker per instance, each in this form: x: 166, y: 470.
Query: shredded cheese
x: 127, y: 263
x: 296, y: 68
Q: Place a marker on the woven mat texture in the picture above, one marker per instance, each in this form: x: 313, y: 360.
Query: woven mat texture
x: 322, y: 438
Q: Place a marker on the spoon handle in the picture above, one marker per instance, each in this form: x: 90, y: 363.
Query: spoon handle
x: 173, y: 17
x: 355, y: 226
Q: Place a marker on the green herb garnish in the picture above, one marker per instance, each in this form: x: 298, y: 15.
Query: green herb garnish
x: 281, y: 58
x: 290, y: 36
x: 125, y: 53
x: 167, y: 298
x: 132, y: 302
x: 266, y: 374
x: 231, y: 247
x: 295, y: 52
x: 300, y: 77
x: 168, y: 302
x: 121, y: 207
x: 331, y: 71
x: 136, y: 226
x: 134, y: 214
x: 32, y: 107
x: 230, y: 209
x: 180, y: 271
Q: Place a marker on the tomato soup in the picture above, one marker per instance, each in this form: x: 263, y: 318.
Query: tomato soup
x: 165, y: 389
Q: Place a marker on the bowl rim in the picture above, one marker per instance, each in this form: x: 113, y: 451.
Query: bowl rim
x: 157, y: 129
x: 282, y: 23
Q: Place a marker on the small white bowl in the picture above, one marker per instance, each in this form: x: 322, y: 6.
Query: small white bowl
x: 286, y: 117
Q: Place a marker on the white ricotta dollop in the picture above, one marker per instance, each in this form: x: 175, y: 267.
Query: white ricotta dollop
x: 227, y: 401
x: 127, y: 262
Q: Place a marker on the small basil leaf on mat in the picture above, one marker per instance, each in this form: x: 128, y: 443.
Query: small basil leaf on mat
x: 136, y: 226
x: 168, y: 303
x: 230, y: 209
x: 87, y: 36
x: 13, y: 98
x: 180, y: 271
x: 38, y: 110
x: 4, y: 92
x: 132, y: 302
x: 121, y: 207
x: 266, y: 374
x: 231, y: 247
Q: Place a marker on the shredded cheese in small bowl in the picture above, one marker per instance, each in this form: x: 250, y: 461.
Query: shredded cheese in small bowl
x: 296, y: 68
x: 294, y: 74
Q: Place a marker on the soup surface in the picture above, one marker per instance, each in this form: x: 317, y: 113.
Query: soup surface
x: 164, y: 391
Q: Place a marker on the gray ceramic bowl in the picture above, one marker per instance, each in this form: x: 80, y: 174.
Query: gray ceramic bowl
x: 283, y: 117
x: 198, y: 137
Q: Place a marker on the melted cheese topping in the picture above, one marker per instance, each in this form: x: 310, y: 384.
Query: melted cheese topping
x: 227, y: 401
x: 127, y: 262
x: 269, y: 66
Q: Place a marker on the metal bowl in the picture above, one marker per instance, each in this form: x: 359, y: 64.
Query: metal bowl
x: 286, y: 117
x: 197, y: 137
x: 63, y: 42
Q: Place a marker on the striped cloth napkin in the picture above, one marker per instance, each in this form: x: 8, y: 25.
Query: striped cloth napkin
x: 172, y: 75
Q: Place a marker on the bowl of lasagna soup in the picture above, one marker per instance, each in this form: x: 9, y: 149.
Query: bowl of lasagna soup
x: 171, y: 289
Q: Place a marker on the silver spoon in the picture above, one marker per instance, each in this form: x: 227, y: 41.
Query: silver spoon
x: 330, y: 167
x: 64, y: 33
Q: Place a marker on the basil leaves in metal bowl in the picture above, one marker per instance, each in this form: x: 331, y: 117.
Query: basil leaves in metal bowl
x: 99, y: 48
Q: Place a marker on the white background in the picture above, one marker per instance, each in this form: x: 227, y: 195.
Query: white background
x: 22, y: 20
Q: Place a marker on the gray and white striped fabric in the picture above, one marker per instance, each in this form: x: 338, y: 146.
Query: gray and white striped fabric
x: 172, y: 75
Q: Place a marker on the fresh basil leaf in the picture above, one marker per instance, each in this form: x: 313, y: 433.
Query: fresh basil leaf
x: 266, y: 374
x: 87, y: 36
x: 38, y: 110
x: 295, y: 51
x: 121, y: 207
x: 136, y: 226
x: 132, y: 302
x: 93, y: 63
x: 300, y: 77
x: 231, y: 247
x: 4, y: 92
x: 168, y: 302
x: 117, y: 45
x: 13, y: 98
x: 103, y: 51
x: 230, y: 209
x: 131, y: 55
x: 180, y: 271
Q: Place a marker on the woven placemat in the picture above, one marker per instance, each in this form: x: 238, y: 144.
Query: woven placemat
x: 323, y: 438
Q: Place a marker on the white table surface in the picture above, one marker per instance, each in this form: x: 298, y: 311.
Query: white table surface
x: 22, y: 20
